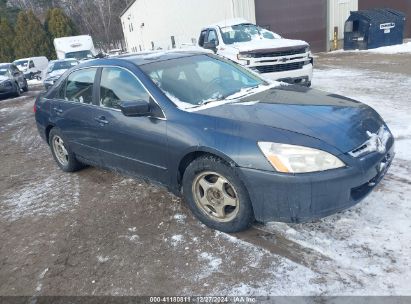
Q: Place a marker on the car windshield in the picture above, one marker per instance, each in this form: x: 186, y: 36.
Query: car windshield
x: 21, y: 63
x: 80, y: 55
x: 62, y: 65
x: 200, y: 79
x: 244, y: 33
x: 4, y: 72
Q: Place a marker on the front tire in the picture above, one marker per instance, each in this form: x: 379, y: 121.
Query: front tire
x: 62, y: 153
x: 17, y: 92
x: 26, y: 86
x: 217, y: 196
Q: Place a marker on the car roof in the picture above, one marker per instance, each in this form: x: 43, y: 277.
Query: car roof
x: 230, y: 22
x: 5, y: 65
x: 63, y: 60
x: 157, y: 56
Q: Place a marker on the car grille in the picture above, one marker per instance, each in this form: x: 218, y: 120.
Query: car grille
x: 279, y: 67
x: 279, y: 53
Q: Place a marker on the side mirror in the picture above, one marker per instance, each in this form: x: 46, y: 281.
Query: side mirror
x: 135, y: 108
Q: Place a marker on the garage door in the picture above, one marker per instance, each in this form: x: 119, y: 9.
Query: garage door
x: 306, y: 20
x: 401, y: 5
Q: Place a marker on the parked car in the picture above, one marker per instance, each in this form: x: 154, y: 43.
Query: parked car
x: 57, y: 68
x: 260, y: 50
x: 235, y: 146
x: 32, y: 67
x: 12, y: 80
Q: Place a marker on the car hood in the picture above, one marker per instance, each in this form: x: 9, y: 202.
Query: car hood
x: 333, y: 119
x: 264, y: 44
x: 4, y: 78
x: 55, y: 74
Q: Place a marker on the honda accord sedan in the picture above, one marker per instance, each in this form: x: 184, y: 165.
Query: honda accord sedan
x: 236, y: 147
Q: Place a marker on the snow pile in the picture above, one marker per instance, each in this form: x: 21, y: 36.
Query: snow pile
x: 386, y: 50
x: 393, y: 49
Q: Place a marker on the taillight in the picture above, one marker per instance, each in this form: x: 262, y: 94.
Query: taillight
x: 34, y: 108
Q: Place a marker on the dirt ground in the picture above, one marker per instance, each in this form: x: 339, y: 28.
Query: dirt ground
x: 98, y: 233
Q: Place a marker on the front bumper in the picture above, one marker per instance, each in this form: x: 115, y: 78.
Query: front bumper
x: 5, y: 90
x: 300, y: 198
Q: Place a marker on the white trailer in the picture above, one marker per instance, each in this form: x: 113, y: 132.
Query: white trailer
x: 159, y: 24
x: 75, y: 47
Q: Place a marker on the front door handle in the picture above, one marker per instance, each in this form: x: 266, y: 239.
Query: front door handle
x: 101, y: 120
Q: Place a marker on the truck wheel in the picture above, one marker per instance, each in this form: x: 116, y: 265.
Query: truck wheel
x: 62, y: 153
x: 217, y: 196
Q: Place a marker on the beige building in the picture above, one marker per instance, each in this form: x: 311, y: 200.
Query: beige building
x: 159, y: 24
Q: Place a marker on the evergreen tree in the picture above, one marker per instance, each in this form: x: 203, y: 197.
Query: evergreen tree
x: 30, y: 37
x: 58, y: 24
x: 6, y: 41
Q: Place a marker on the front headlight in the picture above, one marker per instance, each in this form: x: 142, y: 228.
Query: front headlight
x: 5, y: 84
x: 298, y: 159
x: 244, y: 56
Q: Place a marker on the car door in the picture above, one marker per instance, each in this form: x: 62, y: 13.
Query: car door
x: 71, y: 112
x: 137, y: 145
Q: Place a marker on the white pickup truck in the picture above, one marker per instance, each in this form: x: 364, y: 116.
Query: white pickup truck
x: 260, y: 50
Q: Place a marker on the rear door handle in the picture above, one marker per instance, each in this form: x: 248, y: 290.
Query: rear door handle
x: 101, y: 120
x: 58, y: 110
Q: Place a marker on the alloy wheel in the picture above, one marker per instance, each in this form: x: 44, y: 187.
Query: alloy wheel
x: 60, y: 151
x: 215, y: 196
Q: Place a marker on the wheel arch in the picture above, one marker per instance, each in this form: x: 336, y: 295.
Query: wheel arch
x: 47, y: 132
x: 192, y: 155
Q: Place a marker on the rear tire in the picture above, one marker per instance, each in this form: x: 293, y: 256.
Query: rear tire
x: 62, y: 153
x: 217, y: 196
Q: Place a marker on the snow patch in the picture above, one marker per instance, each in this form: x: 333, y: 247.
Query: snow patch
x: 180, y: 218
x: 42, y: 197
x: 176, y: 239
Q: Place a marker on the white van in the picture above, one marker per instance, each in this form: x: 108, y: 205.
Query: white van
x: 32, y: 67
x: 75, y: 47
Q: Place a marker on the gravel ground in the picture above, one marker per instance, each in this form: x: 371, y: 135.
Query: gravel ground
x: 97, y: 233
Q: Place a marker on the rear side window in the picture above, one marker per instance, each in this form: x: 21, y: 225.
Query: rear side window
x: 120, y: 85
x: 79, y: 86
